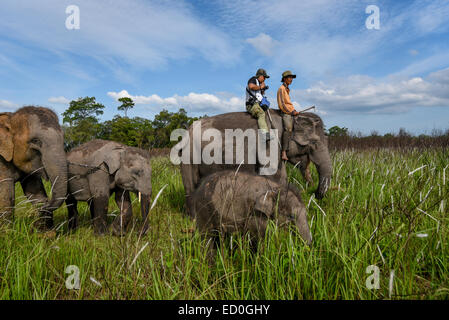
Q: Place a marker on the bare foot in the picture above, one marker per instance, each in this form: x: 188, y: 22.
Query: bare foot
x: 284, y: 156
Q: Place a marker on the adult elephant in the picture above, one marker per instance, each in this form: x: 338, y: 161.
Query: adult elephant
x: 32, y: 148
x: 308, y: 143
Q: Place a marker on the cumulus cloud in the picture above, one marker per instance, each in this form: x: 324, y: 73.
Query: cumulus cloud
x: 263, y: 43
x: 59, y: 100
x: 195, y: 102
x: 6, y: 105
x: 367, y: 95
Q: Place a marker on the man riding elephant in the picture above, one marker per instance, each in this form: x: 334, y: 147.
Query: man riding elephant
x: 254, y: 95
x: 287, y: 110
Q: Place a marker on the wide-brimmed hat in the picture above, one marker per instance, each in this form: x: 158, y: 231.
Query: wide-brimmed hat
x: 262, y: 72
x: 287, y: 73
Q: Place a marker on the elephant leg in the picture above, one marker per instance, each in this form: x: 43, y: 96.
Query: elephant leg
x: 34, y: 190
x: 190, y: 178
x: 72, y: 208
x: 7, y: 195
x: 99, y: 188
x: 304, y: 168
x: 145, y: 203
x: 121, y: 222
x: 210, y: 241
x: 99, y: 209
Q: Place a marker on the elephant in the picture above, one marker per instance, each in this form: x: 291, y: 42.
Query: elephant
x: 98, y: 168
x: 226, y: 202
x: 32, y: 148
x: 308, y: 143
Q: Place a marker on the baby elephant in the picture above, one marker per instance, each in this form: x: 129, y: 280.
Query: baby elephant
x: 98, y: 168
x: 226, y: 202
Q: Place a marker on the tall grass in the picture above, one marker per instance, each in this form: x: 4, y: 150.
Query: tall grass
x: 384, y: 208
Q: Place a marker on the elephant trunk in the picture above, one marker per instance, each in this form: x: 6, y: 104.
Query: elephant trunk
x: 321, y: 158
x: 55, y: 165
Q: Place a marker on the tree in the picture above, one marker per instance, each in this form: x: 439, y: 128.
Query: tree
x: 165, y: 122
x: 127, y: 103
x: 82, y: 109
x: 336, y: 131
x: 83, y: 122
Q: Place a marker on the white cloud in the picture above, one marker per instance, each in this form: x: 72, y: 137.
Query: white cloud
x: 194, y: 102
x: 363, y: 94
x: 138, y: 33
x: 59, y: 100
x: 327, y: 37
x: 263, y: 43
x: 6, y: 105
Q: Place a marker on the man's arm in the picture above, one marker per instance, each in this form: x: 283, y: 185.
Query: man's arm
x: 253, y: 86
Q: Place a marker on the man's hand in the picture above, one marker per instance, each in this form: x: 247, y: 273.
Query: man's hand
x: 295, y: 113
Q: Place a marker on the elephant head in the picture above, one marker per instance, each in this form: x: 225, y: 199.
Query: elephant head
x: 131, y: 168
x: 33, y: 142
x: 308, y: 138
x: 286, y: 204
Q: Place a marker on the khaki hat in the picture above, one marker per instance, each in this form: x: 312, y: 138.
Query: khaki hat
x: 287, y: 73
x: 262, y: 72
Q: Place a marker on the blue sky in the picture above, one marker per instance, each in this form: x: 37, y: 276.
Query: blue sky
x: 199, y: 55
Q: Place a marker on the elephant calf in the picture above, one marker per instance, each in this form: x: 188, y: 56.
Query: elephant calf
x: 225, y: 202
x: 98, y: 168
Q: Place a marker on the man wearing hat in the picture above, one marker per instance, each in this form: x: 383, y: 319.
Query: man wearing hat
x: 287, y: 110
x: 254, y: 94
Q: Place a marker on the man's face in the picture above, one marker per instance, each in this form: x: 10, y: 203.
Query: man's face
x: 288, y: 80
x: 261, y: 78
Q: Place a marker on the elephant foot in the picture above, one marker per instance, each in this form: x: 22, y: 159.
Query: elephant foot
x: 100, y: 228
x: 117, y: 231
x: 144, y: 230
x: 44, y: 223
x: 73, y: 224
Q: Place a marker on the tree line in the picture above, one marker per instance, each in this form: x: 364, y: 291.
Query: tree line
x: 81, y: 123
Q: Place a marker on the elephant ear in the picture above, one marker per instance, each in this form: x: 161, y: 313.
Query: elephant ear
x: 265, y: 203
x: 114, y: 159
x: 6, y: 143
x: 305, y: 130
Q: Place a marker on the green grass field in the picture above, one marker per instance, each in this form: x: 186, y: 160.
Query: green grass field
x: 385, y: 208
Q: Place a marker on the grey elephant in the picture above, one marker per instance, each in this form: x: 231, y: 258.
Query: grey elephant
x: 308, y: 143
x: 226, y: 202
x: 96, y: 170
x: 32, y: 148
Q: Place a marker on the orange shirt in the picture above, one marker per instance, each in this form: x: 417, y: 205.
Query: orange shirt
x: 284, y: 102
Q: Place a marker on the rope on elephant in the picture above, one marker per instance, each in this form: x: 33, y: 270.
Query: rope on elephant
x: 91, y: 170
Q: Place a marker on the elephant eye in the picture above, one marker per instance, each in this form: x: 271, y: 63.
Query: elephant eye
x: 36, y: 142
x: 136, y: 171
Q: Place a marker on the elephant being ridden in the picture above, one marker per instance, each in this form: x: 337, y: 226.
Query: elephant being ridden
x: 308, y: 143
